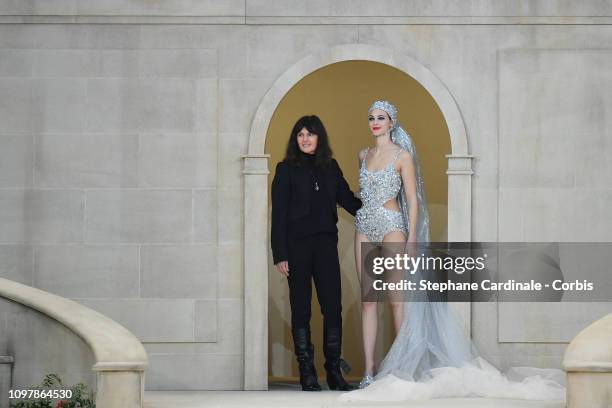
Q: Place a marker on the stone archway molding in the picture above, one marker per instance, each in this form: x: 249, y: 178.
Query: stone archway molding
x: 255, y: 173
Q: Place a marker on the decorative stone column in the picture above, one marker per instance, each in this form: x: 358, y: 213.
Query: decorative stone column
x: 256, y: 271
x: 460, y: 215
x: 6, y: 366
x: 459, y: 197
x: 119, y: 385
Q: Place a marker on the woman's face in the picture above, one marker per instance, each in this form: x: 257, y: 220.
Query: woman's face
x: 379, y: 122
x: 307, y: 141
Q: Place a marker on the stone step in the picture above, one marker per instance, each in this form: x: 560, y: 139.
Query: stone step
x: 287, y: 397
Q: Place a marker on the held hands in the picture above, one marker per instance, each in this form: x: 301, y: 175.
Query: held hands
x: 283, y: 268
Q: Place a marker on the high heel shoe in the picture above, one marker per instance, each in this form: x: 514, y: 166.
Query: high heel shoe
x: 365, y: 381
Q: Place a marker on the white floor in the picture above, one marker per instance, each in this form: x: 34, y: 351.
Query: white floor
x: 290, y: 397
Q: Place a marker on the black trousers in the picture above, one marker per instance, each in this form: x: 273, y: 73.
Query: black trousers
x: 315, y: 257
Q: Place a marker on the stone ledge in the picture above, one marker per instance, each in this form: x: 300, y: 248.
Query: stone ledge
x: 6, y: 360
x: 429, y: 20
x: 184, y: 20
x: 306, y: 20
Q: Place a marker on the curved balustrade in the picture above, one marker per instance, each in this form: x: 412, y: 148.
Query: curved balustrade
x: 120, y: 358
x: 588, y: 363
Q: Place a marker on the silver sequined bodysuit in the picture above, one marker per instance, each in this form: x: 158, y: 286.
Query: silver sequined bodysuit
x: 377, y: 187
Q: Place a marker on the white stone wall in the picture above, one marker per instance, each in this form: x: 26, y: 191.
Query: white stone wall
x: 122, y: 124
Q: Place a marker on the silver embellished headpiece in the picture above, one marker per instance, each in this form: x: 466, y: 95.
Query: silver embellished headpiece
x: 387, y: 107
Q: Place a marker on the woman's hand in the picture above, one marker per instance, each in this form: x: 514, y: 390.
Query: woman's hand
x: 411, y: 248
x: 283, y: 268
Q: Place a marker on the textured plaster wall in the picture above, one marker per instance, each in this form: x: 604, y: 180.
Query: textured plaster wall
x: 120, y: 168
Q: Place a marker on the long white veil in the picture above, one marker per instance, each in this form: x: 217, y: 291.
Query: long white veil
x: 430, y: 336
x: 401, y: 138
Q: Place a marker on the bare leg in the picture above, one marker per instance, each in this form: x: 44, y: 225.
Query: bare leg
x: 369, y: 314
x: 396, y: 300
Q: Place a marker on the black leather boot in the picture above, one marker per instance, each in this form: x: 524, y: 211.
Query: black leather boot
x: 332, y: 345
x: 304, y: 351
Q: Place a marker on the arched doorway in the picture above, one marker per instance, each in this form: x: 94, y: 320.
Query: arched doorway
x: 340, y: 94
x: 256, y: 188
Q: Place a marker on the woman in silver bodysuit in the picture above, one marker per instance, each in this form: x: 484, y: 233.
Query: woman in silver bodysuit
x: 432, y: 355
x: 388, y: 182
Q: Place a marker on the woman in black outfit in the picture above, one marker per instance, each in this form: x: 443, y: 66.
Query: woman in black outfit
x: 307, y: 185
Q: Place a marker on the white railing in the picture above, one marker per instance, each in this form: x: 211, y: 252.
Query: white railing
x: 588, y: 363
x: 120, y: 358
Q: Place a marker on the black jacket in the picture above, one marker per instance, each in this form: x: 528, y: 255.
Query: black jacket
x: 292, y: 190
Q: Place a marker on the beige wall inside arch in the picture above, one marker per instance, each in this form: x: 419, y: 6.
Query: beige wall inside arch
x: 340, y: 95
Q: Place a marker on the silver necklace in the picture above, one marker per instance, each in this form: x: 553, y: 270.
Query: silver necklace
x: 316, y: 183
x: 314, y: 179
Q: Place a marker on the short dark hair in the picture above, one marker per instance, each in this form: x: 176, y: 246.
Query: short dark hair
x: 313, y: 124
